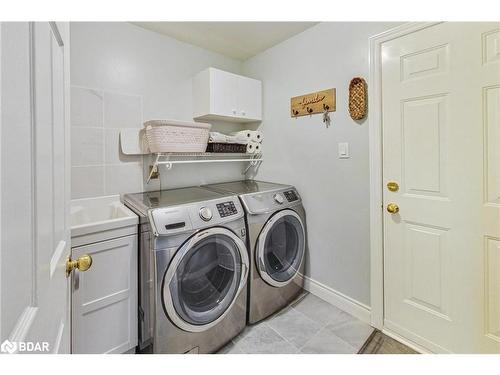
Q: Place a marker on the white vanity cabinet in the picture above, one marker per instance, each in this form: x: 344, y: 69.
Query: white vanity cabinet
x: 220, y: 95
x: 104, y: 297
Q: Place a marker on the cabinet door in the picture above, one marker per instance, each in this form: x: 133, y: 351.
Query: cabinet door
x: 105, y: 298
x: 249, y: 98
x: 224, y: 88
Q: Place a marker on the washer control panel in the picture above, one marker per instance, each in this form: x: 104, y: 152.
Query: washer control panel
x: 206, y: 213
x: 194, y: 216
x: 227, y: 209
x: 291, y: 195
x: 278, y: 198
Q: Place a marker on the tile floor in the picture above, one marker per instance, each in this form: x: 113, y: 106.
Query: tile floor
x: 309, y: 325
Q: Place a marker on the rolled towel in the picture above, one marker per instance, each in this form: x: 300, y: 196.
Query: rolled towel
x: 216, y: 137
x: 251, y: 135
x: 251, y: 147
x: 256, y: 136
x: 243, y: 134
x: 258, y: 147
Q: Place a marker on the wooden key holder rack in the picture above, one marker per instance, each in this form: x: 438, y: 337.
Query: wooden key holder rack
x: 310, y: 104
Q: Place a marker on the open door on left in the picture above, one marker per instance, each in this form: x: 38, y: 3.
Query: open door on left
x: 35, y: 187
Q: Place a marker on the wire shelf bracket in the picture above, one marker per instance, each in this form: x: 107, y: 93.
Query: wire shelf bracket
x: 169, y: 159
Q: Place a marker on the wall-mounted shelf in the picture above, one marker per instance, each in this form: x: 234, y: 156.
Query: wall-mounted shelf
x: 169, y: 159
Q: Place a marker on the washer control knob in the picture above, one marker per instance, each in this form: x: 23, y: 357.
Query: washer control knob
x: 206, y: 213
x: 278, y: 198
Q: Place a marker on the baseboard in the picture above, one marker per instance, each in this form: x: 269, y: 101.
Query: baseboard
x: 338, y: 299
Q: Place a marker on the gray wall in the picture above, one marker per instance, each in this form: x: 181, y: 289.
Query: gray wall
x: 152, y: 73
x: 122, y: 75
x: 303, y: 152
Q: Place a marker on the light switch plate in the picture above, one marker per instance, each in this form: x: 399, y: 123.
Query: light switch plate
x: 344, y: 150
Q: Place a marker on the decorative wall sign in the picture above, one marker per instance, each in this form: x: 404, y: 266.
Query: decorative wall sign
x: 316, y: 102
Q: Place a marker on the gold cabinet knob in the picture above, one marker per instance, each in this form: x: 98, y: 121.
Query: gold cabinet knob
x: 392, y: 208
x: 83, y: 263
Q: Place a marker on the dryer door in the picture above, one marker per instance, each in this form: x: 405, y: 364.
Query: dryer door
x: 281, y: 248
x: 204, y: 278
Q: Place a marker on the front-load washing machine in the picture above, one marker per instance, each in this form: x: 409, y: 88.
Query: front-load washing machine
x: 193, y: 267
x: 276, y: 223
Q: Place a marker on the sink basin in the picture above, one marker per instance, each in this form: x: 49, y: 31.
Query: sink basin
x: 101, y: 218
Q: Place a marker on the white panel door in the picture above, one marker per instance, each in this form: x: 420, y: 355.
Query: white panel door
x: 35, y: 232
x: 490, y: 101
x: 441, y: 118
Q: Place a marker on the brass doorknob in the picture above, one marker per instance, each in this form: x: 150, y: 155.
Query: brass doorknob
x: 83, y: 263
x: 392, y: 208
x: 393, y: 186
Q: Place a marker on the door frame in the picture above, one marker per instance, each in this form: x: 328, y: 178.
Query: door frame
x: 376, y: 170
x: 66, y: 28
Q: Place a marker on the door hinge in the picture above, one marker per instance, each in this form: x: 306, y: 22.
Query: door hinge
x: 141, y: 314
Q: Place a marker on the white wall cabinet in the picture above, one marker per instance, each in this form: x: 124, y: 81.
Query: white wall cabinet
x: 220, y: 95
x: 105, y: 297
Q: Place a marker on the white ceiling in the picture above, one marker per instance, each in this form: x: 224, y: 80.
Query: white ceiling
x: 239, y: 40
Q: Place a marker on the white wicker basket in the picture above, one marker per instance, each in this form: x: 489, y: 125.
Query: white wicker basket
x: 176, y: 136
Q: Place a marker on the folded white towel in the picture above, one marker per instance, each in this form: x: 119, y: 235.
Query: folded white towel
x: 239, y: 137
x: 251, y: 135
x: 236, y: 139
x: 216, y: 137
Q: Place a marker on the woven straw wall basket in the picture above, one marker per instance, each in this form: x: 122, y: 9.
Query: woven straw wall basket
x: 358, y: 100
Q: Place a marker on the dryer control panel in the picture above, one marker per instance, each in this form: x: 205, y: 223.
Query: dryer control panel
x: 260, y: 203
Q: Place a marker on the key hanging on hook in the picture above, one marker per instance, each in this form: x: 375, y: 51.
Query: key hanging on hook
x: 326, y: 115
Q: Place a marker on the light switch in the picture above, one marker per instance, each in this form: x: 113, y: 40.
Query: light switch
x: 344, y: 150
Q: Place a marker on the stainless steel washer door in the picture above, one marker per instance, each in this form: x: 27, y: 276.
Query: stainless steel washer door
x: 281, y: 248
x: 204, y: 278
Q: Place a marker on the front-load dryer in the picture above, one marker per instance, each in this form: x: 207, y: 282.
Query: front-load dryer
x: 276, y: 223
x: 193, y: 267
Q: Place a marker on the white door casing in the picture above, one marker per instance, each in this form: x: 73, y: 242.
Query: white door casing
x: 440, y: 106
x: 35, y: 232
